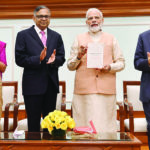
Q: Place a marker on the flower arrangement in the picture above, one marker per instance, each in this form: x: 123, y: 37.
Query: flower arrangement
x: 57, y: 122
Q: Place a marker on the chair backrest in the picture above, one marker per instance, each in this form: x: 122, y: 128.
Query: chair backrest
x: 59, y: 101
x: 9, y: 92
x: 62, y: 90
x: 131, y: 90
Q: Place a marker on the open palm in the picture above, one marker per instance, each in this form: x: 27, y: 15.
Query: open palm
x: 52, y: 57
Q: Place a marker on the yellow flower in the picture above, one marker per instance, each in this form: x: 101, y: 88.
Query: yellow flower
x: 57, y: 125
x: 71, y: 124
x: 63, y: 114
x: 50, y: 114
x: 44, y: 124
x: 57, y: 120
x: 63, y: 126
x: 50, y: 129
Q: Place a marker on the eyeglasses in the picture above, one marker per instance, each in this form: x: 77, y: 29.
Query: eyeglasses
x: 93, y: 17
x: 41, y: 16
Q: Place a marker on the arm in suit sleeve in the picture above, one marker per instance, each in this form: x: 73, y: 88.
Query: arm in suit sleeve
x: 60, y: 54
x: 22, y: 58
x: 140, y: 58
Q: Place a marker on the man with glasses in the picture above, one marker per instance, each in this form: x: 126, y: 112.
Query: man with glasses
x: 95, y: 83
x: 40, y: 51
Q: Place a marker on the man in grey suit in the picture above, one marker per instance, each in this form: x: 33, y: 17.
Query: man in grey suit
x: 40, y: 51
x: 142, y: 63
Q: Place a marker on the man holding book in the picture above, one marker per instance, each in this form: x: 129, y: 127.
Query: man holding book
x: 96, y: 57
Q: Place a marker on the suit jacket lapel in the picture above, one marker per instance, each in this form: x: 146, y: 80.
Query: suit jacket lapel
x: 49, y: 36
x: 35, y: 36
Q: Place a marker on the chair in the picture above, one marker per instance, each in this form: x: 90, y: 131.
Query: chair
x: 60, y: 105
x: 61, y: 97
x: 9, y: 96
x: 135, y: 121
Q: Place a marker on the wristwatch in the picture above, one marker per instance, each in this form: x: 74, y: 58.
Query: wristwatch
x: 78, y: 58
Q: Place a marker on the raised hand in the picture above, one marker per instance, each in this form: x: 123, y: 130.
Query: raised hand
x: 148, y: 57
x: 82, y: 51
x: 52, y: 57
x: 2, y: 67
x: 43, y: 53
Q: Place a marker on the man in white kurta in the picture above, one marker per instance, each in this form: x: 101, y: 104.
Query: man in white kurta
x: 95, y: 88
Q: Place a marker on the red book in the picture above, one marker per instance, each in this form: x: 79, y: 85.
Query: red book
x: 85, y: 129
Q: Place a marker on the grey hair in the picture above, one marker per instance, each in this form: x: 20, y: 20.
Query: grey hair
x: 38, y: 8
x: 95, y: 9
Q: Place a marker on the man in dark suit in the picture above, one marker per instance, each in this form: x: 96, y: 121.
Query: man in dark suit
x: 40, y: 51
x: 142, y: 63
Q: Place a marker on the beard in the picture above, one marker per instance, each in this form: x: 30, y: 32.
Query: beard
x: 95, y: 29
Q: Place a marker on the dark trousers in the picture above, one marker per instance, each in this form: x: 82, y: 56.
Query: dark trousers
x: 37, y: 105
x: 146, y: 106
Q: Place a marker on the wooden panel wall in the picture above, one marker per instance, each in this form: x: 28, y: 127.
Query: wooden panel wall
x: 20, y: 9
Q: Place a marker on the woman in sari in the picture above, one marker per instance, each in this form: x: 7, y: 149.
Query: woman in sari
x: 3, y: 64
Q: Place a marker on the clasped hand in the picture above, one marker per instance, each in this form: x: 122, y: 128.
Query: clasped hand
x: 51, y: 58
x: 148, y: 57
x: 105, y: 69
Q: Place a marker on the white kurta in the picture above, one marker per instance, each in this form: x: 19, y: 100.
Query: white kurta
x: 100, y: 108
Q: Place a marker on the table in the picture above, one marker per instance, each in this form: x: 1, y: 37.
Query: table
x: 44, y: 141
